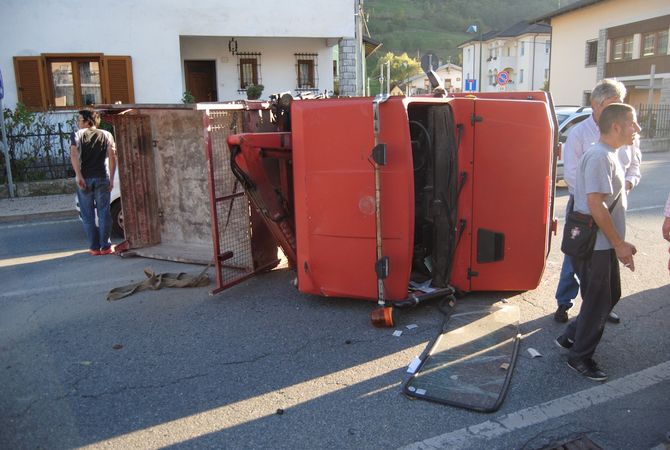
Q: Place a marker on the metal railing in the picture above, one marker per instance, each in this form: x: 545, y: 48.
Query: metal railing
x: 654, y: 120
x: 38, y: 156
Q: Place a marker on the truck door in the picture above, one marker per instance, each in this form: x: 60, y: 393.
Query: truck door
x: 334, y: 193
x: 511, y: 191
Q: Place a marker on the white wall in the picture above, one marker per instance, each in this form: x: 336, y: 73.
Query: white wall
x: 471, y: 63
x: 277, y: 70
x: 569, y: 77
x: 149, y: 31
x: 533, y: 63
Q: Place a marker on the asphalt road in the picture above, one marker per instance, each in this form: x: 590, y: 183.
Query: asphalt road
x: 263, y: 366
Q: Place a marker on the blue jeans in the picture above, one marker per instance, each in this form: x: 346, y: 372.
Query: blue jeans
x: 568, y: 284
x: 96, y: 196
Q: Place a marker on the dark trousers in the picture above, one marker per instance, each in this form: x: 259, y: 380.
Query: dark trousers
x: 600, y: 285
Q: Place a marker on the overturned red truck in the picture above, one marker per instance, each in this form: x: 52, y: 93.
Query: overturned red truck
x: 368, y: 197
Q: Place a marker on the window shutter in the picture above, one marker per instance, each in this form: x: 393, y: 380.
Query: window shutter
x: 118, y: 86
x: 29, y: 72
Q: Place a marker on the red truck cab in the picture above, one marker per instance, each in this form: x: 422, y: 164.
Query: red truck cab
x: 459, y: 194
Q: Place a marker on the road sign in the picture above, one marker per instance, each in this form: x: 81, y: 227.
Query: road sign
x: 470, y: 85
x: 502, y: 77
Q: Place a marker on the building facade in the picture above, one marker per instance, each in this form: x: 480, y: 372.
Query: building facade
x: 154, y: 51
x: 596, y: 39
x: 515, y: 59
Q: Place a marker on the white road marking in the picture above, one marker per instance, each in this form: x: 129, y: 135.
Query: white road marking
x: 476, y: 436
x: 70, y: 287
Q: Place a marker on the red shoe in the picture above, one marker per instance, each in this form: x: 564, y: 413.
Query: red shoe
x: 106, y: 251
x: 94, y: 252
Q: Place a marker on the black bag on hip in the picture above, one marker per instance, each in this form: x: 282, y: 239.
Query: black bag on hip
x: 580, y: 233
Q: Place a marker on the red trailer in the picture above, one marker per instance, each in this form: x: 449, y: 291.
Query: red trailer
x: 368, y: 197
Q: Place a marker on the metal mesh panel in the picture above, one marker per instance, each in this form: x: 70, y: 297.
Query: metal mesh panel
x: 231, y: 207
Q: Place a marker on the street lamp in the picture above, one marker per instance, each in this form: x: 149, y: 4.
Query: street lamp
x: 474, y: 29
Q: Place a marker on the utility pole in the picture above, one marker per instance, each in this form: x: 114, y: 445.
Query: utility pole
x: 5, y: 146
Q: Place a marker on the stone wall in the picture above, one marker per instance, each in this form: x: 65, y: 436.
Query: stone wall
x: 348, y: 67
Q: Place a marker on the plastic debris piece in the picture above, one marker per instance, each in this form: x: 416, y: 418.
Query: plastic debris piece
x: 85, y: 363
x: 504, y: 366
x: 117, y: 346
x: 397, y: 333
x: 411, y: 326
x: 414, y: 365
x: 534, y: 353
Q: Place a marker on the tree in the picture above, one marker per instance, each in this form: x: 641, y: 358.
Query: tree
x: 402, y: 67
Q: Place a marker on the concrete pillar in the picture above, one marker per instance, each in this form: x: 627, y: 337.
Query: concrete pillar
x: 348, y: 67
x: 602, y: 55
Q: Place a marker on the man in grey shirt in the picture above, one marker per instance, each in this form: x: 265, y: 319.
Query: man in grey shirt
x: 600, y: 182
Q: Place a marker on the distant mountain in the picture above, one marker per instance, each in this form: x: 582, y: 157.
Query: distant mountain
x: 419, y: 26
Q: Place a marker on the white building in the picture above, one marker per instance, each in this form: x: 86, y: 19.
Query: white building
x: 515, y: 59
x: 152, y: 51
x: 451, y: 75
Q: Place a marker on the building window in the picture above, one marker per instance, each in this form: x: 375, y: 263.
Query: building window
x: 655, y: 44
x: 586, y: 98
x: 591, y: 53
x: 546, y: 74
x: 69, y: 81
x: 306, y: 65
x: 547, y: 47
x: 521, y: 76
x: 622, y: 49
x: 249, y: 65
x: 523, y: 48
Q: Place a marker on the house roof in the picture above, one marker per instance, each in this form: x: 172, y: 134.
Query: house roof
x: 524, y: 27
x: 518, y: 29
x: 566, y: 9
x: 371, y: 45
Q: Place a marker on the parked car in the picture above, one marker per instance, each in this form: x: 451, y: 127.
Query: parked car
x: 115, y: 207
x: 568, y: 117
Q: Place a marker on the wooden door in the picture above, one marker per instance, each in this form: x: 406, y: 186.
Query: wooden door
x: 201, y: 80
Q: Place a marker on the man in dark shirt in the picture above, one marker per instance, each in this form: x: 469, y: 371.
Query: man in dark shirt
x: 90, y: 147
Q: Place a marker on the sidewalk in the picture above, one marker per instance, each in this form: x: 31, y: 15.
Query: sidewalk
x: 20, y: 209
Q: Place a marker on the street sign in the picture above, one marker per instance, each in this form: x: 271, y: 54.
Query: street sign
x: 470, y: 85
x: 503, y: 77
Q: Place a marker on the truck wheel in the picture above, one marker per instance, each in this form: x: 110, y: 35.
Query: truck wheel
x: 117, y: 219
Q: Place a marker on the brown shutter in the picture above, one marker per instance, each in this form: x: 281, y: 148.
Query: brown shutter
x: 118, y: 84
x: 29, y: 72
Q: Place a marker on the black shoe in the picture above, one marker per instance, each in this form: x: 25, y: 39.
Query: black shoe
x: 561, y: 314
x: 564, y: 342
x: 587, y: 368
x: 613, y: 317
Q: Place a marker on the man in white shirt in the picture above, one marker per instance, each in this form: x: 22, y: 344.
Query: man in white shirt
x: 581, y: 137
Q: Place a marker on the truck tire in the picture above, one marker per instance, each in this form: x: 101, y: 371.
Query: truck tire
x: 117, y: 219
